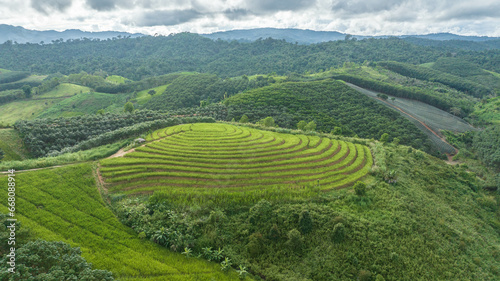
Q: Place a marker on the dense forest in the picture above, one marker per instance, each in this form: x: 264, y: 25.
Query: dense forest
x: 137, y: 58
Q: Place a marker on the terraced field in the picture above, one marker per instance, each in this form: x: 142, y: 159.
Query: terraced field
x: 221, y: 156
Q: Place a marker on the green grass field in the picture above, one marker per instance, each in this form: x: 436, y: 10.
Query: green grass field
x: 12, y: 145
x: 63, y: 90
x: 117, y: 79
x: 231, y: 158
x: 27, y: 109
x: 84, y: 103
x: 24, y: 109
x: 144, y: 96
x: 64, y: 205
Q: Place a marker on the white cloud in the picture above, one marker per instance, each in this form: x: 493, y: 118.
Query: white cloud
x: 363, y: 17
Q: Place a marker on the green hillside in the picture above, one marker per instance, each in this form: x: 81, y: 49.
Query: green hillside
x: 65, y: 205
x: 329, y: 104
x: 222, y: 157
x: 417, y: 219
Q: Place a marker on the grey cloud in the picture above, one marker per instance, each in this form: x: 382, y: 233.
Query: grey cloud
x: 167, y: 17
x: 102, y: 5
x: 266, y: 6
x: 364, y: 6
x: 473, y: 12
x: 237, y: 14
x: 46, y: 6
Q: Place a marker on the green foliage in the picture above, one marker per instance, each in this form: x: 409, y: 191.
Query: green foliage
x: 42, y: 260
x: 192, y: 52
x: 330, y: 104
x: 199, y: 89
x: 338, y: 233
x: 337, y: 131
x: 424, y: 73
x: 129, y: 107
x: 244, y: 119
x: 396, y: 141
x: 305, y: 222
x: 256, y: 244
x: 295, y: 240
x: 2, y: 154
x: 311, y: 126
x: 267, y: 122
x: 27, y: 91
x: 12, y: 76
x: 302, y: 124
x: 487, y: 145
x: 384, y: 138
x: 360, y: 188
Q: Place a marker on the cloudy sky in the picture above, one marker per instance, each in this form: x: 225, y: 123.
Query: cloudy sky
x: 362, y: 17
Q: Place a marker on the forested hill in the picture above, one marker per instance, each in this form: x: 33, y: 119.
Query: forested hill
x: 147, y: 56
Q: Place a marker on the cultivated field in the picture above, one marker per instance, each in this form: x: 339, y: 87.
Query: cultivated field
x: 231, y: 158
x: 63, y: 204
x: 434, y: 118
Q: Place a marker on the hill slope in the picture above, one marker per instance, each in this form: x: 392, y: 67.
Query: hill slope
x: 64, y: 205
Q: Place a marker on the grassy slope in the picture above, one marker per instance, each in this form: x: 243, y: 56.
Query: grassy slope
x: 116, y: 79
x: 49, y: 202
x: 143, y: 96
x: 430, y: 225
x: 32, y: 108
x: 12, y: 145
x: 85, y: 103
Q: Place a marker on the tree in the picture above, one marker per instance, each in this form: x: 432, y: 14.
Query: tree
x: 267, y: 122
x: 337, y: 131
x: 43, y: 260
x: 27, y: 91
x: 152, y: 92
x: 301, y: 125
x: 295, y: 240
x: 360, y: 188
x: 305, y: 222
x: 2, y: 154
x: 244, y: 119
x: 396, y: 141
x: 384, y: 138
x: 100, y: 112
x: 311, y: 126
x: 129, y: 107
x: 338, y: 234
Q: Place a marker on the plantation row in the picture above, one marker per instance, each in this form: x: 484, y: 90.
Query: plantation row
x: 236, y: 159
x: 53, y: 210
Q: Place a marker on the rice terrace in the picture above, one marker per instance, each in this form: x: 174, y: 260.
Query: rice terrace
x: 194, y: 156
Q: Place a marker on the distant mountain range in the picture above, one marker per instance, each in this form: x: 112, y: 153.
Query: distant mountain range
x: 21, y: 35
x: 305, y: 36
x: 302, y: 36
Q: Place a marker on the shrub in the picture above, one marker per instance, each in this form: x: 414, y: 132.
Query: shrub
x: 338, y: 234
x: 295, y: 240
x: 301, y: 125
x: 244, y: 119
x: 305, y: 222
x: 42, y: 260
x: 364, y: 275
x: 255, y: 245
x: 360, y: 188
